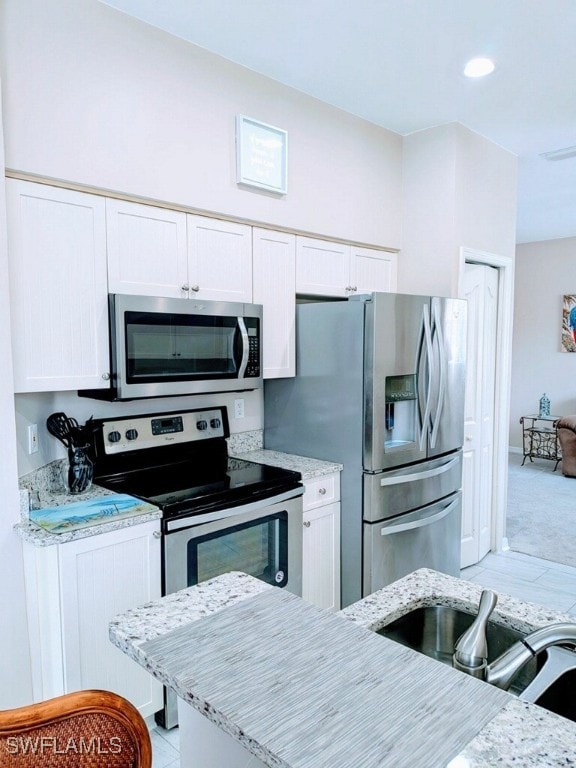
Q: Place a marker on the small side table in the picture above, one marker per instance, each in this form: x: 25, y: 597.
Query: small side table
x: 540, y: 438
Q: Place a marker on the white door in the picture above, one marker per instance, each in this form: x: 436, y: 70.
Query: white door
x: 481, y: 291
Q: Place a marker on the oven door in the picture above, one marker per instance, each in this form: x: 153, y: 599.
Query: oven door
x: 263, y: 539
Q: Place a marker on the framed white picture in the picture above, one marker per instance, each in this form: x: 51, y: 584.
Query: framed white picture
x: 261, y: 155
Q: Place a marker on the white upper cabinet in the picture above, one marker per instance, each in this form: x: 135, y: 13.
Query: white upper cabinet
x: 219, y: 259
x: 274, y: 286
x: 147, y: 250
x: 322, y: 268
x: 334, y: 269
x: 58, y: 288
x: 160, y: 252
x: 372, y: 270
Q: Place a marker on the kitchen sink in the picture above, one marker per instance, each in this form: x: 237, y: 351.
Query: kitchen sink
x: 434, y: 631
x: 560, y: 696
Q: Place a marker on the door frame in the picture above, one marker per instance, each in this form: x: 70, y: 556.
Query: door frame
x: 505, y: 267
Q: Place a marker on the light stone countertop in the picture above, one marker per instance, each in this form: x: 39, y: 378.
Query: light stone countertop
x: 44, y: 489
x: 308, y: 468
x: 348, y: 696
x: 50, y: 494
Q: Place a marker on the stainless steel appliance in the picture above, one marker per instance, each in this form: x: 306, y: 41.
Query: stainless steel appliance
x: 219, y: 513
x: 161, y: 347
x: 380, y: 388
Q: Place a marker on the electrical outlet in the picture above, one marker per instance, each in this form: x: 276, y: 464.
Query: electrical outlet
x: 32, y: 438
x: 239, y: 408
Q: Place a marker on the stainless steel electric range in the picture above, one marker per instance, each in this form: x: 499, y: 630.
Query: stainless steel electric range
x: 219, y: 513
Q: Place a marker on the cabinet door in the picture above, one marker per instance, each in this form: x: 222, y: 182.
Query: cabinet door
x: 372, y: 270
x: 147, y: 252
x: 322, y: 268
x: 58, y: 289
x: 274, y: 286
x: 321, y: 556
x: 100, y: 577
x: 219, y: 259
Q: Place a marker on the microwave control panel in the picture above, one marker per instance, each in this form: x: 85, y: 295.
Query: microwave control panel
x: 253, y: 366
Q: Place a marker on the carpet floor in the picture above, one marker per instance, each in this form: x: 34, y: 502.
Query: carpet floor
x: 541, y: 516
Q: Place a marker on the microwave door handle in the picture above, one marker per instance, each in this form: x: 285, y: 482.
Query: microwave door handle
x: 245, y: 347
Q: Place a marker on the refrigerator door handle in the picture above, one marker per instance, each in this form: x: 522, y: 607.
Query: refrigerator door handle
x: 399, y: 479
x: 437, y: 327
x: 389, y: 531
x: 424, y: 354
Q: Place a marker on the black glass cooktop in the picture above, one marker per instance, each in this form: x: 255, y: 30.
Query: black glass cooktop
x: 193, y: 486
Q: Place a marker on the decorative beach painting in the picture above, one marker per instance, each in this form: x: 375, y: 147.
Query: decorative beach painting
x: 81, y: 514
x: 569, y: 323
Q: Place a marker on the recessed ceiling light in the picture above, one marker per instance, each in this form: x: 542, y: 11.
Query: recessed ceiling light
x: 479, y: 67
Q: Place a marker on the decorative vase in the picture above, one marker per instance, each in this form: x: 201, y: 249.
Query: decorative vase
x: 544, y: 409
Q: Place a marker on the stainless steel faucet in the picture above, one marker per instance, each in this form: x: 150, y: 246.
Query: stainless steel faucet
x: 471, y: 650
x: 502, y: 671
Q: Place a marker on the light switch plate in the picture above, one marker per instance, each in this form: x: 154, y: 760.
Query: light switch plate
x: 32, y: 438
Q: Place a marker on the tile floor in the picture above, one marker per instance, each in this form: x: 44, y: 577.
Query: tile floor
x: 528, y: 578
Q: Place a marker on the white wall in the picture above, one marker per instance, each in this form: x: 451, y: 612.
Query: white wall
x: 459, y: 190
x: 98, y: 98
x: 545, y: 271
x: 15, y: 677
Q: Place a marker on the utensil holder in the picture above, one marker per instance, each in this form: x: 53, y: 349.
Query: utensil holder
x: 79, y: 471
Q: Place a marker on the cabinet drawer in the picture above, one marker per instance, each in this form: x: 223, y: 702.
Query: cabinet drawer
x: 321, y: 490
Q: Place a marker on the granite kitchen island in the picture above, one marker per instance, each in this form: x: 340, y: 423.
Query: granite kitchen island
x: 264, y: 678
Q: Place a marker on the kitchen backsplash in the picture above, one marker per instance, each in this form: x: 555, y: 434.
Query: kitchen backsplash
x: 243, y: 442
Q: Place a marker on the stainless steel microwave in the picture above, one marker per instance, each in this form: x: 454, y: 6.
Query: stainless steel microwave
x: 162, y: 347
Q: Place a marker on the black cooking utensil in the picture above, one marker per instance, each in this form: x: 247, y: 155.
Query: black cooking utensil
x: 59, y: 427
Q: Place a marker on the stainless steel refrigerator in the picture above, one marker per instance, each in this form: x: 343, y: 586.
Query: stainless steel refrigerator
x: 379, y: 387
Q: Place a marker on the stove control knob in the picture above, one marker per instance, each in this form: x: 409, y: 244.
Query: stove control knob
x: 215, y: 423
x: 131, y: 434
x: 202, y: 425
x: 114, y: 437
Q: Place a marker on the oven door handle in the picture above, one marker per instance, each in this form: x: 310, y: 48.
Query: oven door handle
x: 222, y: 514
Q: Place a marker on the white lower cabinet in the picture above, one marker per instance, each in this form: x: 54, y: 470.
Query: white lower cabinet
x: 73, y: 590
x: 321, y: 542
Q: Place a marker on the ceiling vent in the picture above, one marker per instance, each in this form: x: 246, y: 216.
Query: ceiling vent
x: 560, y: 154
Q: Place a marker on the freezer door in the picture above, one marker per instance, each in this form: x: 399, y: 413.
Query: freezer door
x: 392, y: 493
x: 397, y: 348
x: 426, y: 538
